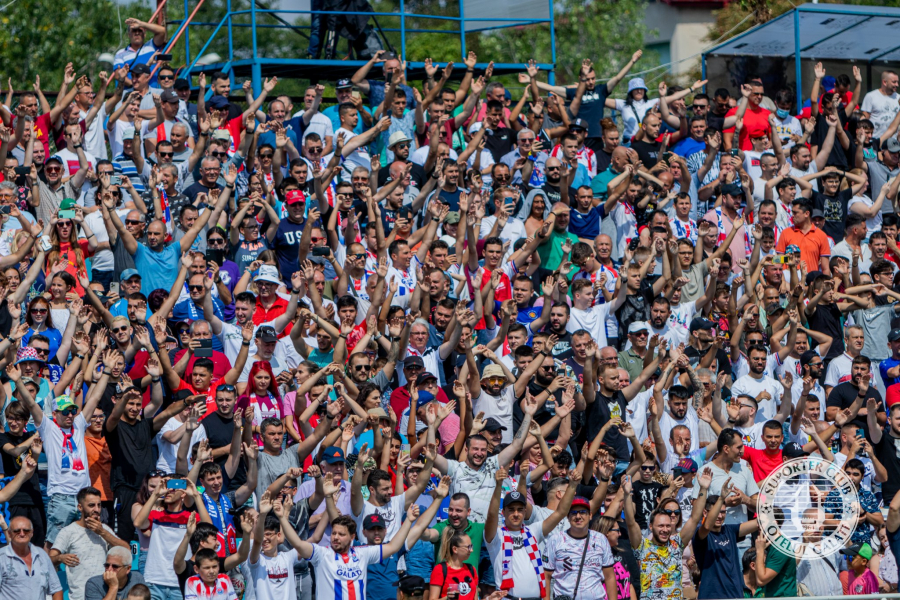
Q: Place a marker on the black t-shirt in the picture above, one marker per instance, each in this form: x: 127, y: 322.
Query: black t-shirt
x: 648, y: 152
x: 888, y: 453
x: 603, y: 159
x: 130, y: 446
x: 563, y: 348
x: 827, y: 320
x: 838, y: 157
x: 843, y: 396
x: 219, y: 431
x: 592, y: 105
x: 601, y: 411
x: 500, y: 142
x: 192, y: 190
x: 715, y: 121
x: 6, y: 320
x: 835, y: 210
x: 106, y: 404
x: 552, y: 192
x: 30, y: 492
x: 543, y: 414
x: 645, y: 496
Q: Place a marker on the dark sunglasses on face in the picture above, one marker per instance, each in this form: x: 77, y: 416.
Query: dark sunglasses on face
x: 166, y: 77
x: 166, y: 154
x: 648, y: 468
x: 402, y: 145
x: 216, y: 241
x: 110, y: 565
x: 195, y: 288
x: 69, y: 411
x: 53, y: 169
x: 218, y: 154
x: 266, y: 155
x: 38, y: 311
x: 670, y: 512
x: 132, y: 222
x: 118, y: 329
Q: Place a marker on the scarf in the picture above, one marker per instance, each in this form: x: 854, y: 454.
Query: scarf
x: 530, y: 545
x: 223, y: 521
x: 70, y: 458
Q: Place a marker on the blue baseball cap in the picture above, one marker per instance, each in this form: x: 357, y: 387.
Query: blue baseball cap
x: 333, y: 455
x: 424, y: 398
x: 128, y: 274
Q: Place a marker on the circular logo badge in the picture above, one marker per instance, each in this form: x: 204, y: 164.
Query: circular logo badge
x: 808, y: 508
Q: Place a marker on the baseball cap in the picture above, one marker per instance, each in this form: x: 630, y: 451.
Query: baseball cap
x: 863, y: 550
x: 221, y: 134
x: 453, y: 217
x: 424, y: 398
x: 374, y: 520
x: 266, y: 334
x: 128, y: 274
x: 817, y: 214
x: 829, y: 83
x: 701, y: 323
x: 127, y: 133
x: 378, y: 412
x: 580, y: 502
x: 169, y: 96
x: 773, y: 308
x: 411, y: 585
x: 638, y: 326
x: 182, y: 84
x: 343, y: 84
x: 892, y: 145
x: 398, y: 137
x: 423, y: 377
x: 491, y: 424
x: 894, y: 335
x: 294, y: 196
x: 493, y: 370
x: 731, y: 189
x: 792, y: 249
x: 140, y: 69
x: 333, y: 455
x: 792, y: 450
x: 578, y: 124
x: 512, y: 498
x: 809, y: 355
x: 217, y: 102
x: 413, y: 361
x: 63, y: 402
x: 67, y: 204
x: 685, y: 465
x: 268, y: 273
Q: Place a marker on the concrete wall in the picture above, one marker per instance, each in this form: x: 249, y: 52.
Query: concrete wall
x: 684, y: 28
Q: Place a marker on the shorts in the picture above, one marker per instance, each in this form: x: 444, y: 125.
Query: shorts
x: 62, y: 510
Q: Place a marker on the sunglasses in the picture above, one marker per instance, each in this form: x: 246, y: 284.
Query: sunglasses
x: 38, y: 311
x: 318, y: 239
x: 166, y: 77
x: 110, y: 565
x: 42, y: 350
x: 118, y: 329
x: 553, y: 168
x: 361, y: 367
x: 359, y: 179
x: 670, y: 511
x: 699, y: 106
x: 216, y: 241
x: 64, y: 223
x: 98, y: 417
x: 266, y: 155
x: 21, y: 530
x: 166, y: 154
x: 646, y: 468
x: 218, y: 154
x: 358, y: 256
x: 69, y: 412
x: 132, y: 222
x: 53, y: 169
x: 195, y: 288
x: 577, y: 512
x: 227, y: 387
x: 402, y: 145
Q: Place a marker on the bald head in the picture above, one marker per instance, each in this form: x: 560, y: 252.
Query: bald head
x: 667, y: 178
x: 609, y: 354
x: 619, y: 158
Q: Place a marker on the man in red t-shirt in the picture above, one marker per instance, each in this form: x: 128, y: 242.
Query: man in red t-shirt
x: 763, y: 462
x: 754, y: 118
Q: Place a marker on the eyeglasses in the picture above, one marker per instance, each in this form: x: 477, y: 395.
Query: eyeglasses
x: 99, y: 417
x: 110, y: 565
x: 526, y: 140
x: 132, y: 222
x: 577, y: 512
x: 118, y: 329
x: 166, y: 154
x: 699, y: 106
x: 616, y: 530
x: 314, y: 150
x: 53, y: 169
x: 195, y: 288
x: 38, y: 311
x: 648, y: 468
x: 166, y: 77
x: 402, y: 145
x: 359, y: 179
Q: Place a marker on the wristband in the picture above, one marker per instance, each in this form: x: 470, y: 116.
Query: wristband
x: 604, y: 479
x: 77, y: 146
x: 205, y: 133
x: 435, y: 219
x: 343, y: 336
x: 230, y: 186
x: 295, y: 291
x: 245, y: 343
x: 81, y: 356
x: 155, y: 380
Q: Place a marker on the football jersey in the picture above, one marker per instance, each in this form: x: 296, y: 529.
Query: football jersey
x: 343, y: 576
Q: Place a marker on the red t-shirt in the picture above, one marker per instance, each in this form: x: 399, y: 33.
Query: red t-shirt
x: 756, y: 124
x: 466, y: 578
x: 42, y: 129
x: 763, y: 462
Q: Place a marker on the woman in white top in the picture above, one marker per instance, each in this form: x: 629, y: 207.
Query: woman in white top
x: 633, y: 108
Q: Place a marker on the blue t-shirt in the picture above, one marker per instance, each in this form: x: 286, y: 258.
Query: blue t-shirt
x: 382, y: 576
x: 719, y: 561
x: 120, y: 309
x: 376, y: 93
x: 53, y: 335
x: 688, y: 146
x: 269, y: 138
x: 888, y: 363
x: 894, y: 543
x: 158, y: 269
x: 586, y: 226
x: 287, y: 247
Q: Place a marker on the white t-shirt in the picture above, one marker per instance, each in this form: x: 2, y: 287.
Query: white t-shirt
x: 636, y: 414
x: 478, y: 485
x: 406, y: 282
x: 838, y: 370
x: 792, y: 365
x: 520, y: 566
x: 319, y: 124
x: 71, y: 165
x: 273, y: 577
x: 358, y: 158
x: 342, y: 577
x: 103, y: 259
x: 680, y: 322
x: 593, y: 320
x: 562, y: 556
x: 91, y: 550
x: 626, y: 226
x: 392, y: 513
x: 882, y: 110
x: 94, y: 140
x: 168, y: 453
x: 797, y: 174
x: 633, y: 114
x: 787, y: 127
x: 67, y: 461
x: 667, y: 422
x: 752, y: 435
x: 872, y: 223
x: 499, y: 407
x: 754, y: 387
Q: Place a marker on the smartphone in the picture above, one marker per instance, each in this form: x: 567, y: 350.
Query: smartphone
x: 633, y: 244
x: 205, y: 349
x: 781, y: 260
x: 163, y: 57
x: 321, y: 251
x: 114, y: 288
x: 404, y: 449
x: 67, y: 214
x: 22, y: 170
x: 734, y: 152
x: 115, y: 180
x: 215, y: 255
x: 509, y: 201
x: 860, y: 433
x: 313, y: 203
x: 176, y: 484
x: 46, y: 245
x: 355, y: 95
x: 667, y: 156
x: 452, y: 591
x: 406, y: 212
x: 5, y: 209
x: 561, y: 372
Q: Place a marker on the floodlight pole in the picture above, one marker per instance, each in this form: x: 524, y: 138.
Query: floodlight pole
x: 797, y: 66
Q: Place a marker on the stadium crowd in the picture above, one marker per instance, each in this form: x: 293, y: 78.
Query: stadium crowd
x: 444, y: 342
